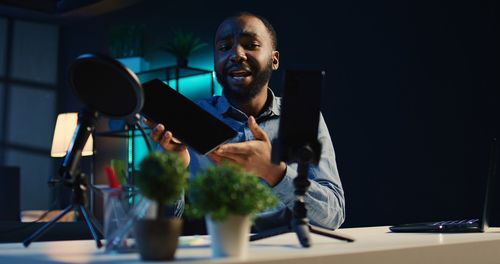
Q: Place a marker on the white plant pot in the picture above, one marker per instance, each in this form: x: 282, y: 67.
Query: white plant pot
x: 229, y: 238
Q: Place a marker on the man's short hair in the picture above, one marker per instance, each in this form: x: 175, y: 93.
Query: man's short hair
x: 266, y: 23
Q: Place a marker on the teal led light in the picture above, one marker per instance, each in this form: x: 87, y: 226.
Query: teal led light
x: 218, y: 87
x: 130, y: 149
x: 194, y: 87
x: 141, y: 150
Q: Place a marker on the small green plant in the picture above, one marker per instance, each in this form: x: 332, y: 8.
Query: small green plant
x: 183, y: 45
x: 162, y: 178
x: 228, y: 189
x: 126, y: 41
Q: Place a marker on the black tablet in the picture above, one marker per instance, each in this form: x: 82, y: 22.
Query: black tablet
x: 185, y: 119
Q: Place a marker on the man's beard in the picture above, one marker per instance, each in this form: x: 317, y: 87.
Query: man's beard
x: 245, y: 94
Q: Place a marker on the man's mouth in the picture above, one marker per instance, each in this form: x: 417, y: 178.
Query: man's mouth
x: 239, y: 74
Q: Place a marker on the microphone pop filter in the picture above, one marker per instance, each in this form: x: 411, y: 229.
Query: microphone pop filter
x: 105, y: 85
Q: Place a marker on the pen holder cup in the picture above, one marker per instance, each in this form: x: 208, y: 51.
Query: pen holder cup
x: 118, y: 205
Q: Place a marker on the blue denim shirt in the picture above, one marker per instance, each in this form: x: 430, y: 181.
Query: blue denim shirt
x: 324, y: 199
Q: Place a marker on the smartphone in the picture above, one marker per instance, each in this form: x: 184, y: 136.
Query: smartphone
x: 187, y: 121
x: 300, y: 115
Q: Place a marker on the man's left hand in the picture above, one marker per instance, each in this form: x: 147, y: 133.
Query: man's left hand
x: 254, y: 155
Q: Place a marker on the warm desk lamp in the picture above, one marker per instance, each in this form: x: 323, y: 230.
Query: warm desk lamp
x: 63, y: 133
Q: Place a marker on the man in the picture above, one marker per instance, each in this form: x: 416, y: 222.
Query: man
x: 245, y: 56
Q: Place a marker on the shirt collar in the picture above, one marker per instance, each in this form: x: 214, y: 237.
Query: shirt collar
x: 275, y: 105
x: 273, y: 108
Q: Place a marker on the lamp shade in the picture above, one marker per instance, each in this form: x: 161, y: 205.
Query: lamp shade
x: 63, y: 134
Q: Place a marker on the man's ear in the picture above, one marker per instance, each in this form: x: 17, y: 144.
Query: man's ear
x: 276, y: 60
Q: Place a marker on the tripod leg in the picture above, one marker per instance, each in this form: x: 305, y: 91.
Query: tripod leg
x: 45, y: 227
x: 300, y: 226
x: 329, y: 233
x: 97, y: 226
x: 90, y: 225
x: 301, y: 183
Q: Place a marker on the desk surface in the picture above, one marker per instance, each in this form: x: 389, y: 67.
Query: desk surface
x: 372, y: 245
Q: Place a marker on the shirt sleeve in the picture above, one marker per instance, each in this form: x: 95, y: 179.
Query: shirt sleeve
x: 324, y: 198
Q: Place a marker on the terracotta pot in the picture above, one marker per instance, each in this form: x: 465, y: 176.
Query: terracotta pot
x: 229, y: 238
x: 157, y: 239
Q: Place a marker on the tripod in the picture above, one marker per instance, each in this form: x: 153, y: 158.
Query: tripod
x: 298, y: 142
x: 299, y: 223
x: 78, y: 203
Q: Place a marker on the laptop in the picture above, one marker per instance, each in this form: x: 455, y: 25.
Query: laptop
x: 461, y: 225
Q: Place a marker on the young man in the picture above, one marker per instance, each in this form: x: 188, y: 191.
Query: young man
x: 245, y: 56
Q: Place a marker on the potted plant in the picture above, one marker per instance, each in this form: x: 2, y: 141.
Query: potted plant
x: 126, y: 44
x: 228, y: 196
x: 162, y: 178
x: 126, y: 41
x: 182, y: 46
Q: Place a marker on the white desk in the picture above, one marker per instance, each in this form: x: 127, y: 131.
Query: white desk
x: 372, y: 245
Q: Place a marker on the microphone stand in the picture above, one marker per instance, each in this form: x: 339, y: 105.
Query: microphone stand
x: 77, y: 204
x: 72, y: 177
x: 134, y: 123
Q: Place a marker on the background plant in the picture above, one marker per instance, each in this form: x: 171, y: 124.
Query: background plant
x: 228, y: 189
x: 126, y: 41
x: 162, y: 178
x: 183, y: 44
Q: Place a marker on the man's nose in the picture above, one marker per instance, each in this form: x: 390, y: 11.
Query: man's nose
x: 238, y: 55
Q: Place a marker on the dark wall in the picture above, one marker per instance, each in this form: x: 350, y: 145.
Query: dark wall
x: 412, y: 96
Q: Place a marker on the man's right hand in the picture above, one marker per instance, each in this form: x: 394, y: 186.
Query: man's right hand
x: 167, y: 141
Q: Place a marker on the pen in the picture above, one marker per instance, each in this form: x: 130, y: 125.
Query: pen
x: 112, y: 179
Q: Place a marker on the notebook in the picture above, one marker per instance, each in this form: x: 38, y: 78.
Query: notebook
x: 462, y: 225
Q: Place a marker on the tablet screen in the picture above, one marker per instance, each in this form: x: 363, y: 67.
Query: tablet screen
x: 185, y: 119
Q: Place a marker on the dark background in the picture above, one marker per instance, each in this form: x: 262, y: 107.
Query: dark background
x: 412, y: 97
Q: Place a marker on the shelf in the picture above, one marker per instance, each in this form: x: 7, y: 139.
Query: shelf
x: 174, y: 73
x: 123, y: 133
x: 168, y: 73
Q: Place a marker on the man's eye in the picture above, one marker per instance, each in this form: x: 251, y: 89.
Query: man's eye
x: 252, y: 45
x: 223, y: 47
